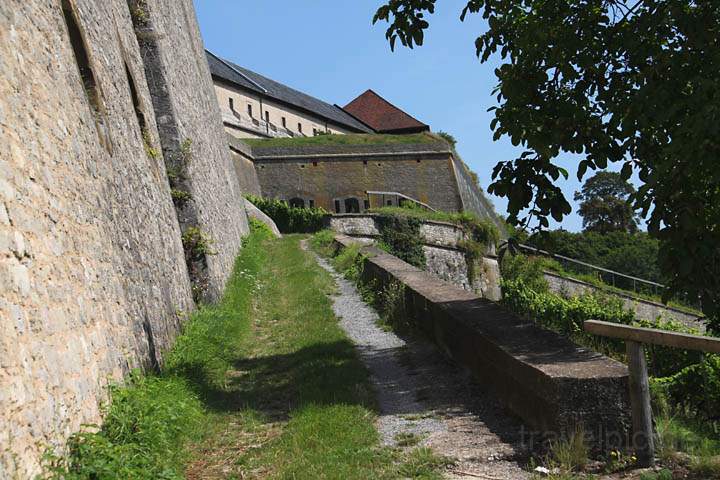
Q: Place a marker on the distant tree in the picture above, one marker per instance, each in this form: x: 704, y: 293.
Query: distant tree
x: 447, y: 137
x: 604, y: 204
x: 635, y: 83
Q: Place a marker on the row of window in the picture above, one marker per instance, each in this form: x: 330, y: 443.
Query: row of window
x: 283, y: 120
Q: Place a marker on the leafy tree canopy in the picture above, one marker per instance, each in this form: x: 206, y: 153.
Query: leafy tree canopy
x: 604, y: 204
x: 636, y: 83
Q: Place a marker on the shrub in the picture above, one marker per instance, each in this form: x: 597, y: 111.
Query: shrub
x: 290, y: 219
x: 322, y: 242
x: 529, y: 271
x: 400, y: 236
x: 696, y: 386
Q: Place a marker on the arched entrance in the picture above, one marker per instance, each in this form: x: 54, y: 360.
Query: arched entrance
x: 352, y: 205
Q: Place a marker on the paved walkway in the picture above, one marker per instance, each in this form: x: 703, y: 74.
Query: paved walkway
x: 421, y: 395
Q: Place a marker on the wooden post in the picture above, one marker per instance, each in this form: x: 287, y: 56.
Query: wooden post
x: 640, y: 399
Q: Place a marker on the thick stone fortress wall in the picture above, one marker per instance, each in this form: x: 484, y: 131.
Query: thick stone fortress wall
x: 92, y: 267
x: 192, y: 132
x: 472, y: 196
x: 329, y: 173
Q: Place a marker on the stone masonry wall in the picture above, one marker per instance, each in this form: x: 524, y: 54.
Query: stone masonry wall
x: 325, y: 174
x: 244, y: 167
x: 187, y: 110
x: 444, y: 258
x: 472, y: 196
x: 92, y: 269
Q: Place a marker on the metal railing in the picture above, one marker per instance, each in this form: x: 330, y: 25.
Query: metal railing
x: 612, y: 278
x: 400, y: 197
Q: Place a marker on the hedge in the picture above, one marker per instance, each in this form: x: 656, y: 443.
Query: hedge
x: 290, y: 219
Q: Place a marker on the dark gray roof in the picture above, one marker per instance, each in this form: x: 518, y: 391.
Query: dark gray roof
x: 247, y: 79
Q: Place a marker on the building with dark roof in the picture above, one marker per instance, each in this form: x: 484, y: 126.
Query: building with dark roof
x: 254, y: 106
x: 382, y: 116
x: 342, y: 175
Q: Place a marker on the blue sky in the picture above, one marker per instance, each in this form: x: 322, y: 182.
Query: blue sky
x: 331, y: 50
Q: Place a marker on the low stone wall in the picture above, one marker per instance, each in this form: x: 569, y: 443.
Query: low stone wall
x: 644, y: 309
x: 443, y: 257
x: 549, y: 382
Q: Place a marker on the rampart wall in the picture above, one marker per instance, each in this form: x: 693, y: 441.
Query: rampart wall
x: 92, y: 267
x: 326, y: 174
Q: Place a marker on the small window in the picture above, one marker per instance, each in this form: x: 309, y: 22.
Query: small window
x: 300, y: 127
x: 366, y: 203
x: 389, y: 203
x: 364, y: 162
x: 297, y: 203
x: 312, y: 203
x: 249, y: 109
x: 314, y: 164
x: 314, y: 132
x: 232, y: 103
x: 337, y: 206
x: 267, y: 116
x: 284, y: 122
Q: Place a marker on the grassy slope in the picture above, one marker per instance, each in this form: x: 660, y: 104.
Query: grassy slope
x: 305, y: 403
x: 262, y: 385
x: 352, y: 139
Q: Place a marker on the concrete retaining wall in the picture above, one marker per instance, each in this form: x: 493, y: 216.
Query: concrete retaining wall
x: 548, y: 381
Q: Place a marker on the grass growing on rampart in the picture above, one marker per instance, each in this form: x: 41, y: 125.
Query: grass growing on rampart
x: 263, y: 385
x: 350, y: 139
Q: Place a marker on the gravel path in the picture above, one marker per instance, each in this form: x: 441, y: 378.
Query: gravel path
x: 423, y: 395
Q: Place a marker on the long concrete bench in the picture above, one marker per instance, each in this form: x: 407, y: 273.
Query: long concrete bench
x: 553, y: 385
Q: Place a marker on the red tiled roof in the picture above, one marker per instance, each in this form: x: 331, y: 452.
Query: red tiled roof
x: 382, y: 116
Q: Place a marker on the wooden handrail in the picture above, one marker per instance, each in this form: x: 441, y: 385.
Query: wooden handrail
x: 634, y: 338
x: 653, y: 336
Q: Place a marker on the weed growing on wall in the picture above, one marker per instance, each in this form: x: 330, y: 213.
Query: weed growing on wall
x: 180, y: 197
x: 197, y: 243
x: 150, y: 150
x: 290, y: 219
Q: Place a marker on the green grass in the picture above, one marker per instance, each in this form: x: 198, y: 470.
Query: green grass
x: 152, y: 419
x: 682, y: 434
x: 351, y: 139
x: 424, y: 214
x: 263, y: 385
